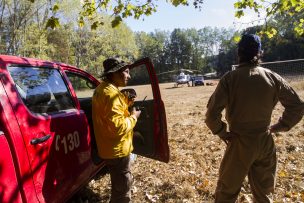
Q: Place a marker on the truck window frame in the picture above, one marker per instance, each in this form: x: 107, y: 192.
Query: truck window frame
x: 53, y: 102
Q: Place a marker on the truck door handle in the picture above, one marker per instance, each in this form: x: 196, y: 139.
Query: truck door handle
x: 40, y: 140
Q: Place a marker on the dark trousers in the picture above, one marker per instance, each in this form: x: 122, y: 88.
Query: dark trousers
x: 121, y: 179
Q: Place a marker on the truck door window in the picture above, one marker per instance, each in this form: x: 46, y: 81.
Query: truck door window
x: 140, y: 82
x: 41, y: 89
x: 83, y: 87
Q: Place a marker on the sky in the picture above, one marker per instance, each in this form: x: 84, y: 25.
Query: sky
x: 214, y: 13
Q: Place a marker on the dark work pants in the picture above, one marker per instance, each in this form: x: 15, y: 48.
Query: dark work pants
x: 121, y: 179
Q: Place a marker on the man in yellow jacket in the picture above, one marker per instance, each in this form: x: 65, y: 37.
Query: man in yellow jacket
x: 113, y: 127
x: 249, y: 95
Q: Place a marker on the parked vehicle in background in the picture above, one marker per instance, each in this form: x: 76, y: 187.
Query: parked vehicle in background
x: 198, y: 80
x: 47, y: 143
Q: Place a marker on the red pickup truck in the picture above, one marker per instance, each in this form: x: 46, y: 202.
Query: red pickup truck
x: 47, y: 143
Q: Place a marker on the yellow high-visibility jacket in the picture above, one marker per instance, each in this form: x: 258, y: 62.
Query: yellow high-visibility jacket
x: 113, y: 124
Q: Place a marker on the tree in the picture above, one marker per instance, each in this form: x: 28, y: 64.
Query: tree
x: 193, y: 49
x: 196, y: 62
x: 286, y: 45
x: 94, y: 46
x: 34, y: 43
x: 15, y: 16
x: 117, y: 9
x: 180, y: 49
x: 61, y: 40
x: 285, y: 8
x: 137, y: 9
x: 153, y: 45
x: 226, y: 57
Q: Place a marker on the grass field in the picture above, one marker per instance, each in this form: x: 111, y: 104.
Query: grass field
x: 191, y: 174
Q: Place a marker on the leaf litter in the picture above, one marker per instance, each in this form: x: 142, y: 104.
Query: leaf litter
x: 195, y: 156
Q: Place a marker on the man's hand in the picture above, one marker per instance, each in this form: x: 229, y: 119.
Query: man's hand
x: 227, y: 136
x: 135, y: 112
x: 278, y: 127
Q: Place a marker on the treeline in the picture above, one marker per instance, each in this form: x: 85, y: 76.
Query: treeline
x: 23, y: 33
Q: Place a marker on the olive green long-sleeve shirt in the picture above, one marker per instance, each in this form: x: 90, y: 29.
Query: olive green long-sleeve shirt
x: 249, y: 94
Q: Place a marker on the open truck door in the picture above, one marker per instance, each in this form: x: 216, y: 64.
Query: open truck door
x: 150, y: 133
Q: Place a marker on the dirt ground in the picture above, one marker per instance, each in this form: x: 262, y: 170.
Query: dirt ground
x: 195, y: 155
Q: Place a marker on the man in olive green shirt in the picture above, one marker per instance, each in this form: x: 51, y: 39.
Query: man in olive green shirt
x: 249, y: 95
x: 113, y: 127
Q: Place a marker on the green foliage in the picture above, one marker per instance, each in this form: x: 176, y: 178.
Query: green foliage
x: 53, y: 22
x: 35, y: 43
x: 116, y: 21
x: 299, y: 27
x: 82, y: 46
x: 55, y: 8
x: 180, y: 49
x: 184, y: 49
x: 121, y: 9
x: 60, y: 40
x: 236, y: 38
x: 270, y: 32
x: 285, y: 45
x: 87, y: 44
x: 94, y: 46
x: 179, y: 2
x: 15, y: 18
x: 239, y: 13
x: 280, y: 7
x: 91, y: 9
x: 154, y: 45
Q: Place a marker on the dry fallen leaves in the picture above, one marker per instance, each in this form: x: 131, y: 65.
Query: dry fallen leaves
x: 191, y: 174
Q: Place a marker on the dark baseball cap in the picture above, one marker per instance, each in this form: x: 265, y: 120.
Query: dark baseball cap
x: 250, y: 44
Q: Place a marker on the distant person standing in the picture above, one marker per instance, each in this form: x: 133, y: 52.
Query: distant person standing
x: 113, y: 127
x: 249, y: 95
